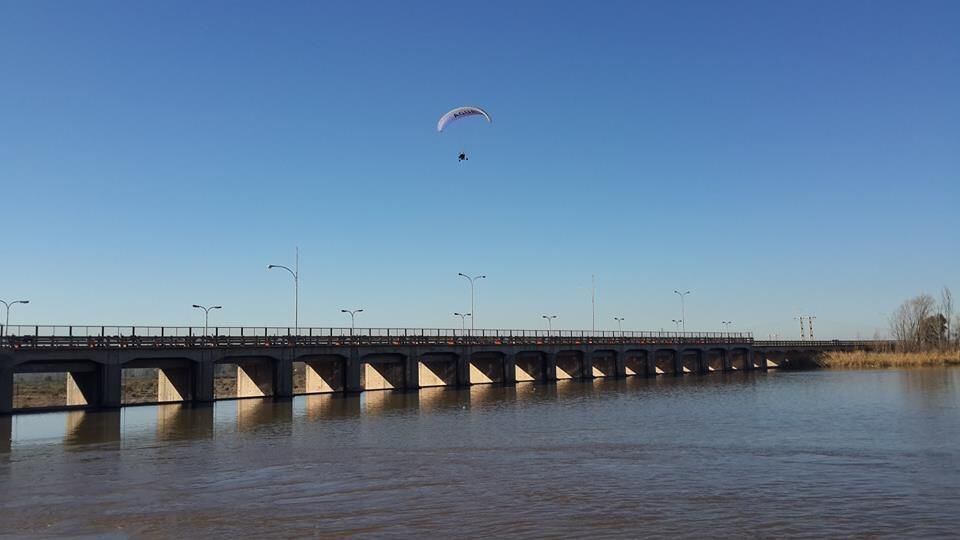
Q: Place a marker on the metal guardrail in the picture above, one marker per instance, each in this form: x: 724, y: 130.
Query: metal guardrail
x: 87, y: 336
x: 835, y: 343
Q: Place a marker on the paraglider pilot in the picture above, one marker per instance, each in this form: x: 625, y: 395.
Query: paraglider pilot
x: 463, y: 157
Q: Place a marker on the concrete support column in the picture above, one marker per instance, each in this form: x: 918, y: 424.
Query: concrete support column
x: 202, y: 375
x: 649, y: 365
x: 550, y: 366
x: 463, y: 369
x: 111, y: 386
x: 620, y: 365
x: 678, y: 362
x: 586, y: 365
x: 353, y: 367
x: 510, y: 369
x: 412, y: 375
x: 6, y: 390
x: 727, y: 360
x: 283, y: 376
x: 749, y: 360
x: 703, y: 362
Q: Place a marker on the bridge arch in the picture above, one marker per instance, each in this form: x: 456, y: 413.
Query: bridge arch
x: 44, y: 383
x: 570, y: 364
x: 530, y: 366
x: 665, y: 361
x: 158, y: 379
x: 487, y: 367
x: 690, y: 360
x: 716, y: 359
x: 244, y: 375
x: 319, y: 373
x: 383, y: 371
x: 603, y: 363
x: 739, y: 359
x: 437, y: 368
x: 636, y: 362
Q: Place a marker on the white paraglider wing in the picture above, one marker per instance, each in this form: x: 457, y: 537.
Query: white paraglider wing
x: 461, y: 112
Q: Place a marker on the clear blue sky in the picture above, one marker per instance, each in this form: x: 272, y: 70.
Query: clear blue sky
x: 773, y: 157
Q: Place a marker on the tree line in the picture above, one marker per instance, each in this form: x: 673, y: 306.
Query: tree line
x: 923, y: 323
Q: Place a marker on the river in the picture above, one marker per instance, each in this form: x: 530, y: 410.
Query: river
x: 816, y: 453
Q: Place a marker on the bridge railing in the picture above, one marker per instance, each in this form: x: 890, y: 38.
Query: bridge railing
x: 92, y: 336
x: 822, y: 344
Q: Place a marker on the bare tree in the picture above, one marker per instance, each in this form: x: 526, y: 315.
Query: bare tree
x: 906, y: 321
x: 946, y: 309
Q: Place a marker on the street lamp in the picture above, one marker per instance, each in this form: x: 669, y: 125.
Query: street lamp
x: 677, y: 322
x: 463, y: 320
x: 296, y: 289
x: 619, y: 324
x: 683, y: 311
x: 549, y: 319
x: 6, y: 323
x: 353, y: 317
x: 473, y: 308
x: 206, y: 316
x: 726, y: 324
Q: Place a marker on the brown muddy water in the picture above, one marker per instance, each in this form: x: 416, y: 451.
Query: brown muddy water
x: 824, y: 453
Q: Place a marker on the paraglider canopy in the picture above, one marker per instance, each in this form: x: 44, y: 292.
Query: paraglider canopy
x: 461, y: 112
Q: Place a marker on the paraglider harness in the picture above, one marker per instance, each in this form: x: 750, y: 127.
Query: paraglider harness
x: 463, y: 157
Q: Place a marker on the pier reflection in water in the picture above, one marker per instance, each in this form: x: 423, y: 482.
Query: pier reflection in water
x: 828, y: 453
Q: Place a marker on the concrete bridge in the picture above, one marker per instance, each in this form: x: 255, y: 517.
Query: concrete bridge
x: 264, y: 361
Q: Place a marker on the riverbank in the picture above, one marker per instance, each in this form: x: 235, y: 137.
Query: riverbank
x: 864, y: 359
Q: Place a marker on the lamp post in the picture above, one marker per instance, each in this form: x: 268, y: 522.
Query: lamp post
x: 353, y: 317
x: 463, y: 320
x: 473, y: 308
x: 677, y: 323
x: 296, y: 289
x: 7, y: 305
x: 549, y: 319
x: 619, y: 324
x: 206, y: 317
x: 726, y: 324
x: 683, y: 310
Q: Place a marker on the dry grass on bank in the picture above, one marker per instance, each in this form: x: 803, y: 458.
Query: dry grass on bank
x: 863, y: 359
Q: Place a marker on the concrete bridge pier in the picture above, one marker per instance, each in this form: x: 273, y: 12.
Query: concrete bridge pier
x: 6, y: 390
x: 412, y: 372
x: 203, y: 386
x: 550, y: 366
x: 510, y: 369
x: 283, y: 374
x: 620, y: 366
x: 463, y: 368
x: 353, y: 378
x: 586, y: 365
